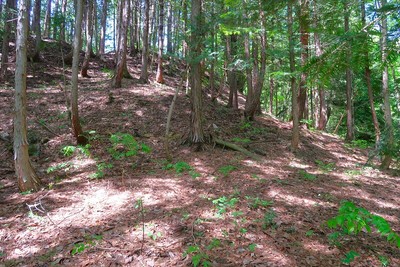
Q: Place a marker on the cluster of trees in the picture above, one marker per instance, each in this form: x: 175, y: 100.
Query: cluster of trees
x: 313, y: 62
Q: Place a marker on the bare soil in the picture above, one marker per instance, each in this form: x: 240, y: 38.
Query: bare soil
x: 230, y: 209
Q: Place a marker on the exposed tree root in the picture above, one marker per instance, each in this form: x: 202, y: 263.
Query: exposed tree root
x: 237, y: 148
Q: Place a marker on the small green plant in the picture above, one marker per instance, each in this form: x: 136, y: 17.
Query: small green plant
x: 68, y: 151
x: 90, y: 241
x: 223, y: 203
x: 194, y: 174
x: 179, y: 167
x: 225, y: 170
x: 28, y: 192
x: 307, y: 176
x: 256, y: 202
x: 353, y: 173
x: 140, y: 207
x: 360, y: 143
x: 154, y: 236
x: 66, y: 166
x: 252, y: 247
x: 350, y: 256
x: 101, y: 167
x: 215, y: 242
x: 269, y: 219
x: 325, y: 167
x: 198, y: 256
x: 384, y: 261
x: 352, y: 220
x: 309, y: 233
x: 124, y: 145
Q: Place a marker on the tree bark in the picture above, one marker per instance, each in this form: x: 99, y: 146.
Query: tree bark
x: 169, y: 29
x: 144, y: 76
x: 47, y: 20
x: 103, y: 23
x: 304, y: 36
x: 349, y: 86
x: 196, y: 135
x: 76, y: 126
x: 26, y: 176
x: 121, y: 54
x: 295, y: 108
x: 159, y: 76
x: 6, y: 38
x: 389, y: 135
x: 37, y: 30
x: 63, y: 22
x: 231, y: 72
x: 89, y: 37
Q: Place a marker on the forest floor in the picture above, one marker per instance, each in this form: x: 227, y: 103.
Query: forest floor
x: 174, y: 206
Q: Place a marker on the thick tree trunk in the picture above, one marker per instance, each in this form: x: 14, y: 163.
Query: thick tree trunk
x: 295, y: 109
x: 6, y: 38
x: 144, y: 76
x: 159, y: 76
x: 196, y: 135
x: 389, y: 136
x: 89, y: 37
x: 121, y: 56
x: 76, y: 126
x: 47, y: 20
x: 349, y: 86
x: 26, y: 175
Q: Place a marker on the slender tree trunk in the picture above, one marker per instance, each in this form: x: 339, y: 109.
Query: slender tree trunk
x: 6, y: 39
x: 169, y: 29
x: 26, y: 176
x: 103, y: 23
x: 159, y: 76
x: 56, y: 18
x: 295, y: 108
x: 63, y: 21
x: 323, y: 107
x: 76, y: 126
x: 89, y: 37
x: 349, y: 86
x: 47, y: 20
x: 36, y: 28
x: 231, y: 41
x: 304, y: 36
x: 121, y: 57
x: 144, y: 76
x: 196, y: 135
x: 133, y: 31
x: 389, y: 136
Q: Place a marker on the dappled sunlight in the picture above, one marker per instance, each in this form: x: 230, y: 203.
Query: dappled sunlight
x: 280, y: 194
x: 316, y: 247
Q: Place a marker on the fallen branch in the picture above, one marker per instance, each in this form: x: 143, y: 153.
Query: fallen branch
x: 47, y: 128
x: 237, y: 148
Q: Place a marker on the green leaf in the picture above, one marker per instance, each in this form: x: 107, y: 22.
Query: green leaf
x: 350, y: 256
x: 196, y: 259
x: 252, y: 247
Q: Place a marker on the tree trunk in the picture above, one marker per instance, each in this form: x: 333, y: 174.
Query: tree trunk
x: 89, y: 36
x: 304, y: 36
x: 196, y: 135
x: 76, y: 126
x: 159, y: 76
x: 47, y: 20
x: 144, y: 76
x: 231, y: 41
x: 63, y: 23
x: 295, y: 108
x: 169, y: 29
x: 389, y: 136
x: 123, y: 35
x: 349, y: 86
x: 103, y: 23
x: 6, y: 39
x: 133, y: 31
x: 37, y: 30
x: 26, y: 176
x: 368, y: 80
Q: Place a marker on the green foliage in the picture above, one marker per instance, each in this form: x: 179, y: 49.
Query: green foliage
x: 252, y: 247
x: 179, y: 167
x: 68, y: 151
x: 362, y: 144
x: 225, y: 170
x: 309, y: 233
x: 215, y: 242
x: 350, y: 256
x: 60, y: 166
x: 269, y: 219
x: 90, y: 241
x: 241, y: 140
x: 256, y: 202
x: 307, y: 176
x: 223, y: 203
x: 199, y: 258
x: 352, y: 220
x: 125, y: 145
x: 101, y: 167
x: 325, y: 167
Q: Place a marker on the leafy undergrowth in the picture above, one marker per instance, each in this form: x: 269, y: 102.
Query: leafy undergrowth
x: 120, y: 202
